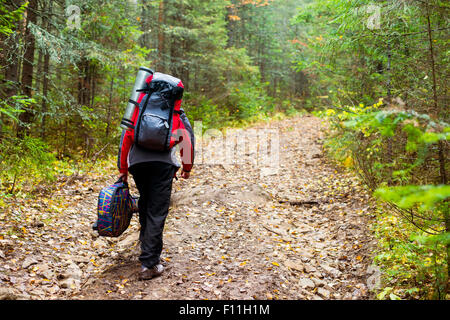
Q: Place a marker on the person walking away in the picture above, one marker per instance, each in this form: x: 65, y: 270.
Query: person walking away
x: 153, y: 172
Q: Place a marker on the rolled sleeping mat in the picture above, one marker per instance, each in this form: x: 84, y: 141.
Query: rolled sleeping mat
x: 139, y: 83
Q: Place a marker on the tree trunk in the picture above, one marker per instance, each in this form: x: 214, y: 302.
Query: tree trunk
x: 93, y: 80
x: 40, y: 60
x: 45, y: 93
x: 433, y: 69
x: 12, y: 77
x: 441, y: 146
x: 9, y: 65
x: 160, y: 63
x: 185, y: 47
x: 27, y: 67
x: 46, y: 75
x: 388, y: 69
x: 84, y: 83
x: 9, y: 58
x: 145, y: 17
x: 66, y: 125
x: 108, y: 115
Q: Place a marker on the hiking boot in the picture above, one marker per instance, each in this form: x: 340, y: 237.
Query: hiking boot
x: 149, y: 273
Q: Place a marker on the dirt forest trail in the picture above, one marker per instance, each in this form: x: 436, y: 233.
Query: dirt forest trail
x: 233, y: 232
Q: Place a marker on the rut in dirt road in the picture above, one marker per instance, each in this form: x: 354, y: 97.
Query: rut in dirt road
x: 235, y: 231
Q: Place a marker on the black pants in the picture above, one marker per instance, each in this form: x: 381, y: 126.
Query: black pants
x: 154, y: 182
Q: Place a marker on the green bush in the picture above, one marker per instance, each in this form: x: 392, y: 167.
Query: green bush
x: 400, y: 155
x: 200, y: 108
x: 24, y: 162
x: 244, y: 103
x: 249, y: 101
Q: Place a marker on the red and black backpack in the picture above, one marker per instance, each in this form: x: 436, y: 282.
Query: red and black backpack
x: 158, y: 118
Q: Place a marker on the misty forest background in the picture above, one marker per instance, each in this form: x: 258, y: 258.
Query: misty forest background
x: 376, y: 71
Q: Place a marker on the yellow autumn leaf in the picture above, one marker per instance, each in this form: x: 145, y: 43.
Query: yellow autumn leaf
x: 94, y: 263
x: 275, y: 264
x: 348, y: 162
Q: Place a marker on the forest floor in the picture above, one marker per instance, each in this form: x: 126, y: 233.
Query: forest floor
x: 234, y: 231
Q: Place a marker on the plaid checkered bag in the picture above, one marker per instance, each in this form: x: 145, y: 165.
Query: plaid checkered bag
x: 115, y: 209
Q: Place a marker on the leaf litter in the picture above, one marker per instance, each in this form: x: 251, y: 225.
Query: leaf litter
x: 233, y: 232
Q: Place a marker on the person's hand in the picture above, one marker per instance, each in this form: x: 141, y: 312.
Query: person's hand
x: 185, y: 175
x: 124, y: 177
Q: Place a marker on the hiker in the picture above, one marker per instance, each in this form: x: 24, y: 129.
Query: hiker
x: 153, y: 172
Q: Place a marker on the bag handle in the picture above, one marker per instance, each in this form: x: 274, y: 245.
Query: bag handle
x: 121, y: 180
